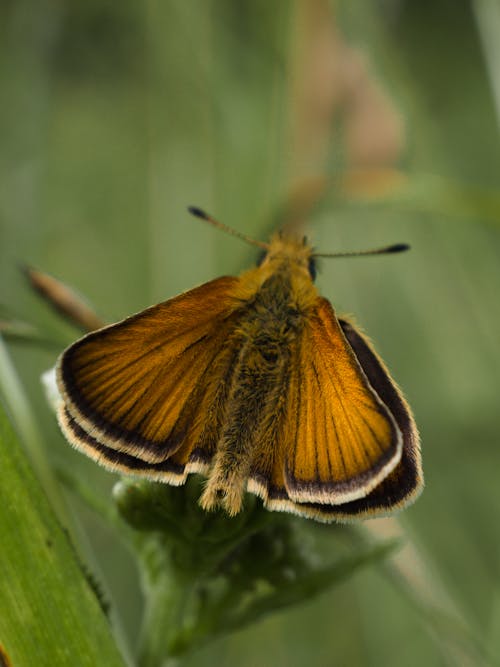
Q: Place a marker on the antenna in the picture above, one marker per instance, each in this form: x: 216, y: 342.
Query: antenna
x: 199, y: 213
x: 387, y: 250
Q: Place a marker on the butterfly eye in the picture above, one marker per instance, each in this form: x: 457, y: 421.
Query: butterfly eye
x: 312, y: 268
x: 261, y: 257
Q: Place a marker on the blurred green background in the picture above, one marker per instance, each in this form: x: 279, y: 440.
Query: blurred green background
x: 116, y: 116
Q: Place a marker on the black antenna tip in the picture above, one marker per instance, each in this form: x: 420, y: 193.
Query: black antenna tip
x: 398, y: 247
x: 198, y: 212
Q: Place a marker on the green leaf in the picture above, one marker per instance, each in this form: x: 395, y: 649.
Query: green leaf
x: 206, y: 574
x: 50, y: 614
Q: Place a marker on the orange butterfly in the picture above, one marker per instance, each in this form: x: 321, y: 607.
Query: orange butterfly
x: 254, y: 382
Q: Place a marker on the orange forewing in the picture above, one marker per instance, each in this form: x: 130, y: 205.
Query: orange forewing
x: 148, y: 386
x: 404, y: 484
x: 342, y: 439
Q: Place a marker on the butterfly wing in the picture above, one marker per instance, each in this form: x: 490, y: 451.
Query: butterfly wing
x: 405, y: 483
x: 153, y: 386
x: 174, y: 469
x: 343, y: 440
x: 277, y: 477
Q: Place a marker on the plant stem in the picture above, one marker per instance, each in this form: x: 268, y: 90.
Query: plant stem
x: 167, y: 596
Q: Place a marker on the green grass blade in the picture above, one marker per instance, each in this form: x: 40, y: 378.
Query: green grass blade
x: 49, y: 613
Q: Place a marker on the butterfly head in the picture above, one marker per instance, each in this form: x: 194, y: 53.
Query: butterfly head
x: 290, y: 252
